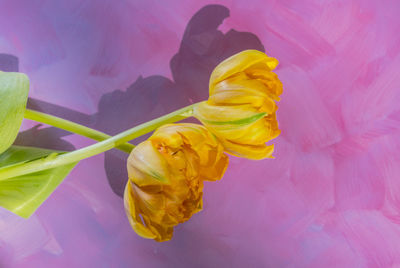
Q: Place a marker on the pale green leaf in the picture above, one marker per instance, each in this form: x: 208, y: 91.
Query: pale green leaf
x: 22, y: 195
x: 14, y: 89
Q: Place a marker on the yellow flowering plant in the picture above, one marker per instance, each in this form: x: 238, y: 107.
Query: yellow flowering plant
x: 166, y: 172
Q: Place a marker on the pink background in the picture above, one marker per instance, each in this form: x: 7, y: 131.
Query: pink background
x: 331, y: 198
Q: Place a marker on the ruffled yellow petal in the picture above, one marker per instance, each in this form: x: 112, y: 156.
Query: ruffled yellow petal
x: 216, y: 171
x: 227, y: 116
x: 262, y: 103
x: 196, y: 138
x: 133, y: 215
x: 269, y: 79
x: 255, y: 152
x: 146, y: 166
x: 252, y: 91
x: 252, y: 86
x: 175, y: 135
x: 241, y: 61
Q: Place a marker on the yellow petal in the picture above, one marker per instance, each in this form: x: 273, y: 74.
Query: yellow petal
x: 256, y: 133
x: 227, y: 116
x: 269, y: 79
x: 249, y: 86
x: 216, y: 171
x: 235, y: 123
x: 174, y: 135
x: 197, y: 138
x: 240, y: 62
x: 227, y: 97
x: 146, y: 166
x: 149, y: 203
x: 133, y: 215
x: 255, y: 152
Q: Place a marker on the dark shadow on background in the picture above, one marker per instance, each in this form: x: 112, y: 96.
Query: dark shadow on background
x: 203, y: 46
x: 9, y: 63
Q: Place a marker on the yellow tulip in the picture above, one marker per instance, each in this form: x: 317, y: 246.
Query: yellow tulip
x: 166, y: 175
x: 241, y: 109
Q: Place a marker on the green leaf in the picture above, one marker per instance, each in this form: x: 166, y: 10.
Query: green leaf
x: 22, y: 195
x: 14, y: 89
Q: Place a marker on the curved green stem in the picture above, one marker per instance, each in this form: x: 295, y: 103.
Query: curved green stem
x: 73, y: 127
x: 75, y: 156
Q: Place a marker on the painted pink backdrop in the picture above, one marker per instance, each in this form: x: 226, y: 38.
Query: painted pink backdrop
x: 331, y: 198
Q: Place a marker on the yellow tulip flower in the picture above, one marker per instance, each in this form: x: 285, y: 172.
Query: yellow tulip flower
x: 241, y: 109
x: 166, y: 175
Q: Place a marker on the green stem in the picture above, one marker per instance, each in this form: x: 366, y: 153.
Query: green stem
x: 75, y: 156
x: 73, y: 127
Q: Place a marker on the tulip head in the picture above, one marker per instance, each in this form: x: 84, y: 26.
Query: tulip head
x: 241, y: 109
x: 166, y: 175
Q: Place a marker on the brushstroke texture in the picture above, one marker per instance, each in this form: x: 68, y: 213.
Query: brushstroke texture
x: 331, y: 198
